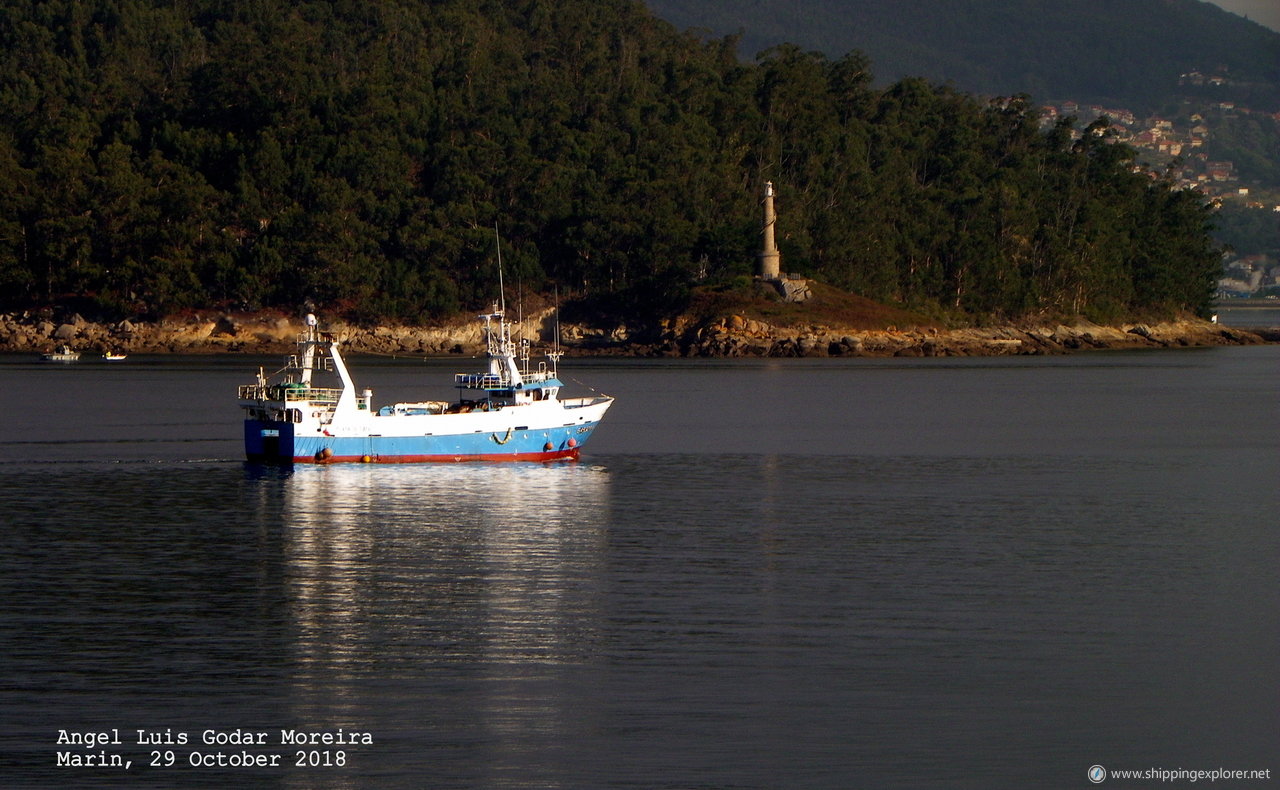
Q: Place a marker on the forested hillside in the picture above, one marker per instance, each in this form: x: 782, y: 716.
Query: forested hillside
x: 1127, y: 54
x: 158, y: 155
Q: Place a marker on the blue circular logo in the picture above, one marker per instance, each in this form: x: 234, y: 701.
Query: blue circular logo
x: 1097, y: 774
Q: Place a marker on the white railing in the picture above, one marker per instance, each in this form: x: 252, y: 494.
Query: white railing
x: 290, y: 393
x: 497, y: 381
x: 480, y: 381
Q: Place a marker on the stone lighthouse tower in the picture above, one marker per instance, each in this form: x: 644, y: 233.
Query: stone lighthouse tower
x: 769, y: 267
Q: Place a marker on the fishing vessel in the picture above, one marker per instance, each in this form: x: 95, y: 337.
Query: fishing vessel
x: 510, y: 412
x: 62, y: 354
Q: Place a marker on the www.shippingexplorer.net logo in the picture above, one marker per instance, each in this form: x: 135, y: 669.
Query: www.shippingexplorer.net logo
x: 1097, y: 774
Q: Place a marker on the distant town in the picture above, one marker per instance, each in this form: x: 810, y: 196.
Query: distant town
x: 1176, y: 139
x: 1175, y: 147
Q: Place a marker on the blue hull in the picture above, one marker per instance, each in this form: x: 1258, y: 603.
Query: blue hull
x: 275, y: 442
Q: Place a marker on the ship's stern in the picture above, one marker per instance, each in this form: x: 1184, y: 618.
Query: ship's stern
x: 268, y: 441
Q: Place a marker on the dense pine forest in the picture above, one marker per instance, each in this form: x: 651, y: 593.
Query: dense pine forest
x: 157, y: 155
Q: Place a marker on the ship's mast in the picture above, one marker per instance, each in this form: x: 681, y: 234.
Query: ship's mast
x: 554, y: 355
x: 309, y: 348
x: 502, y: 295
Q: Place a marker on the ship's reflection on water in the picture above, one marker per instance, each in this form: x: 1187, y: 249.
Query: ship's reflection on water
x: 466, y: 561
x: 456, y: 589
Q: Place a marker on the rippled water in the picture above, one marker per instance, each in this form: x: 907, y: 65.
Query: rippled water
x: 765, y: 574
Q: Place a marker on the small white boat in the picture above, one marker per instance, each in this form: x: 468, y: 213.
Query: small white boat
x: 112, y: 356
x: 63, y: 354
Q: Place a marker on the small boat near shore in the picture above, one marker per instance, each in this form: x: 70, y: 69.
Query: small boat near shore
x: 62, y: 354
x: 113, y: 356
x: 510, y: 412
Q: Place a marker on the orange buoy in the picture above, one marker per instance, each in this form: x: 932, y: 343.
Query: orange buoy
x: 573, y: 442
x: 548, y: 447
x: 364, y: 459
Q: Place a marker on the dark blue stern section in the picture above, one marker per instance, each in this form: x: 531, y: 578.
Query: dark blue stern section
x: 267, y: 441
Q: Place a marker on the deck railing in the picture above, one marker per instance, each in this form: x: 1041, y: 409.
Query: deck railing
x: 290, y: 393
x: 497, y: 381
x: 480, y: 381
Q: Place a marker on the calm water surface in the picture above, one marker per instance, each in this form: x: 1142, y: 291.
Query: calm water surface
x: 762, y: 574
x: 1254, y: 314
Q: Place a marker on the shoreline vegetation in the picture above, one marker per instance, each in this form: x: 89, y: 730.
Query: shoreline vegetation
x: 726, y: 336
x: 159, y: 158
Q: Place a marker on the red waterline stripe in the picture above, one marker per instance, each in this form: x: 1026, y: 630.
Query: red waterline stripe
x: 555, y: 455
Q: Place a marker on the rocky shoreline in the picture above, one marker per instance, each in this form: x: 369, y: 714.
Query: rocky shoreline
x: 733, y: 336
x: 742, y: 337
